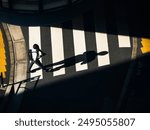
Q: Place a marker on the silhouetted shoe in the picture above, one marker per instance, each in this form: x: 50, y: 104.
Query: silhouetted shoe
x: 82, y: 63
x: 48, y: 70
x: 32, y: 71
x: 51, y: 70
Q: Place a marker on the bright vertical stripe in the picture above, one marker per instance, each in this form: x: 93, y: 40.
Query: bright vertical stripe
x: 57, y: 48
x: 102, y: 45
x: 2, y: 57
x: 35, y: 37
x: 80, y: 47
x: 124, y: 41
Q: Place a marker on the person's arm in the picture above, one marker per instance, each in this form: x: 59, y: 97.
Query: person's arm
x: 42, y: 53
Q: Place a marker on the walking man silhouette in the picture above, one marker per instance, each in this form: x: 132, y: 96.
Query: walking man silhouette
x: 34, y: 58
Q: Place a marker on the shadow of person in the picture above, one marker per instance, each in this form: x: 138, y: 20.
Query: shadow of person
x: 91, y: 55
x: 84, y: 58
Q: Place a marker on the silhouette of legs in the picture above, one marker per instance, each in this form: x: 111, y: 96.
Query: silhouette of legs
x: 30, y: 66
x: 39, y: 64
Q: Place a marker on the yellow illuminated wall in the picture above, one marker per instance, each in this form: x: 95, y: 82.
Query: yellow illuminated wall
x: 145, y: 45
x: 2, y: 56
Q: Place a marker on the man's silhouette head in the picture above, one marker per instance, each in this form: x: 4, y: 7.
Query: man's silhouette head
x: 35, y: 46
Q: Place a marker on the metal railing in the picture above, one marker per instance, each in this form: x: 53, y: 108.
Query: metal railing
x: 19, y: 83
x: 10, y: 92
